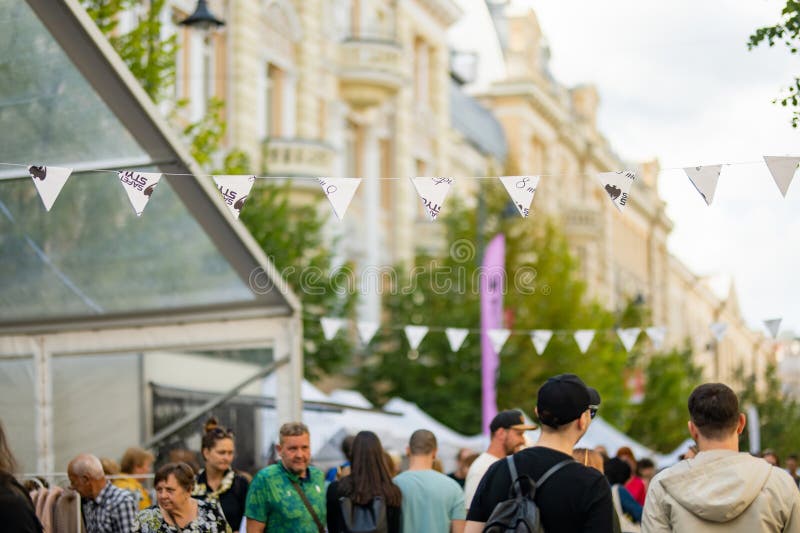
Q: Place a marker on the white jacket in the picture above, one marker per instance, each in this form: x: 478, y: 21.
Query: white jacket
x: 722, y: 490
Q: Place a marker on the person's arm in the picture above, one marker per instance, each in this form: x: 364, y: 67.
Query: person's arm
x: 654, y: 515
x: 630, y: 505
x: 473, y: 527
x: 332, y: 504
x: 457, y: 526
x: 254, y: 526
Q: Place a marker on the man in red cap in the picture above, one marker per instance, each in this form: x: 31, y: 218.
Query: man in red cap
x: 575, y: 497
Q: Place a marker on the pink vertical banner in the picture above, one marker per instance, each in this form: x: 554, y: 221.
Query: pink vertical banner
x: 493, y: 282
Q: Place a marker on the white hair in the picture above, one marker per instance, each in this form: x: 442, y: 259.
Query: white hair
x: 87, y: 465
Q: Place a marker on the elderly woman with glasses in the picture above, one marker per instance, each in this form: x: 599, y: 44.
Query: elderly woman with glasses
x: 177, y: 511
x: 218, y: 482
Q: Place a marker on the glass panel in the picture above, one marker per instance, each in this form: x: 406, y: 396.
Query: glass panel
x: 90, y: 255
x: 17, y: 410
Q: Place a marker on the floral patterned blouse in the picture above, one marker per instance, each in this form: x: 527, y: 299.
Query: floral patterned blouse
x: 209, y: 520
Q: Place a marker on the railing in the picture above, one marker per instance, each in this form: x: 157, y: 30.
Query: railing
x: 296, y: 157
x: 371, y: 61
x: 584, y: 221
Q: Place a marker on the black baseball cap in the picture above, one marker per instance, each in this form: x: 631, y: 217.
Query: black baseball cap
x: 564, y: 398
x: 510, y: 419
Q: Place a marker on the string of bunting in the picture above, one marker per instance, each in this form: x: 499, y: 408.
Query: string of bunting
x: 540, y: 338
x: 433, y: 191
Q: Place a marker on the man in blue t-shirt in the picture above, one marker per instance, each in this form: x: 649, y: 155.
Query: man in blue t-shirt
x: 432, y: 502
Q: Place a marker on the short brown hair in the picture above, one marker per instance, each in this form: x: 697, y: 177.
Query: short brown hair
x: 422, y: 442
x: 293, y: 429
x: 134, y: 457
x: 183, y: 473
x: 714, y: 410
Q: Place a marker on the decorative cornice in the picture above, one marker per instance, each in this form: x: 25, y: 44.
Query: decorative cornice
x: 445, y: 11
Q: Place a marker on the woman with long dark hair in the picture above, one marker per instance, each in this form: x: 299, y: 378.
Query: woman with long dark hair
x: 368, y: 493
x: 218, y: 482
x: 16, y: 508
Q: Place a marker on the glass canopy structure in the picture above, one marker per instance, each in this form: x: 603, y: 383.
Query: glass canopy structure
x: 90, y: 276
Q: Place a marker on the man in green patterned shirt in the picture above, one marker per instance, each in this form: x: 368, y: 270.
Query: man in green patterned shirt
x: 274, y: 504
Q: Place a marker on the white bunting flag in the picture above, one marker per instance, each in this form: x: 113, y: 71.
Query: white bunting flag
x: 628, y: 337
x: 773, y: 326
x: 432, y: 192
x: 541, y: 338
x: 618, y: 186
x: 340, y: 192
x: 584, y: 338
x: 367, y: 330
x: 331, y: 326
x: 782, y: 170
x: 705, y: 180
x: 49, y: 181
x: 415, y: 334
x: 456, y: 337
x: 521, y: 190
x: 234, y: 190
x: 718, y: 329
x: 657, y: 335
x: 498, y: 338
x: 139, y: 187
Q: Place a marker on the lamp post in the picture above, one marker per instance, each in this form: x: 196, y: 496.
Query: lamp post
x: 202, y: 18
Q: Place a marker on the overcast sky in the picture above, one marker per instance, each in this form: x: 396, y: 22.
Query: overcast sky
x: 677, y: 83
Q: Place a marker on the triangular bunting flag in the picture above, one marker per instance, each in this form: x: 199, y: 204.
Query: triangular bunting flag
x: 628, y: 337
x: 498, y: 338
x: 49, y: 181
x: 234, y: 191
x: 773, y: 326
x: 718, y: 329
x: 521, y: 190
x: 139, y: 187
x: 618, y: 186
x: 541, y: 338
x: 340, y: 192
x: 584, y: 338
x: 432, y: 192
x: 331, y: 326
x: 415, y: 334
x: 782, y: 170
x: 704, y: 180
x: 657, y: 335
x: 367, y: 330
x: 456, y: 336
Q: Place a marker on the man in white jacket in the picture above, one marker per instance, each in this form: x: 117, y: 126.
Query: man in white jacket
x: 720, y: 489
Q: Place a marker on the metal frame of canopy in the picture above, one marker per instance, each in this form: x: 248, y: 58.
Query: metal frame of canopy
x: 273, y: 319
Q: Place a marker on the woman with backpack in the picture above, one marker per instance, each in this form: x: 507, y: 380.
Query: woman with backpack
x: 366, y: 500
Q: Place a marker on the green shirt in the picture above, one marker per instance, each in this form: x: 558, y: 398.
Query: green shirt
x: 273, y: 500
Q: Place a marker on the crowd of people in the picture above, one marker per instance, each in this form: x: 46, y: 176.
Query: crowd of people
x: 714, y: 487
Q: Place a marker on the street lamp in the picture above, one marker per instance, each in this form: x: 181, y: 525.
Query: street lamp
x: 202, y: 17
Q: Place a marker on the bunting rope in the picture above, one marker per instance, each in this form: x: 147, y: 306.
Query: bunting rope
x: 432, y: 190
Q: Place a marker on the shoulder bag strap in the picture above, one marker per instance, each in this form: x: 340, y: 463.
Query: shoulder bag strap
x: 307, y: 503
x: 553, y: 470
x: 512, y: 468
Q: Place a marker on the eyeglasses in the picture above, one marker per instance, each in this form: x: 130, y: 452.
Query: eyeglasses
x: 593, y: 410
x: 221, y: 432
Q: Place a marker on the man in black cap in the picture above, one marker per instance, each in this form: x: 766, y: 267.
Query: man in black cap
x: 507, y: 431
x: 575, y: 498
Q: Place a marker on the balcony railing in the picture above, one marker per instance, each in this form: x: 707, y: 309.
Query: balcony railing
x: 370, y: 69
x: 583, y: 221
x: 296, y: 157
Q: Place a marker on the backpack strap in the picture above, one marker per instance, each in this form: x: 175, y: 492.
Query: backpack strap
x: 512, y: 468
x: 553, y: 469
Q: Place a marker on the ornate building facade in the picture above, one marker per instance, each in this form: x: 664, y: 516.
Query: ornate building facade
x: 364, y: 88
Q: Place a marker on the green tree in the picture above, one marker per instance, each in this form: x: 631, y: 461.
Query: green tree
x: 778, y: 413
x: 787, y: 30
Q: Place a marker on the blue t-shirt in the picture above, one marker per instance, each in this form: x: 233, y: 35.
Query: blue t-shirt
x: 430, y: 501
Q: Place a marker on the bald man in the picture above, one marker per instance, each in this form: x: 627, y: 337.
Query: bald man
x: 106, y: 508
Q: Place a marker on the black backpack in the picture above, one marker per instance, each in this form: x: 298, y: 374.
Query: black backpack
x: 519, y: 513
x: 364, y: 518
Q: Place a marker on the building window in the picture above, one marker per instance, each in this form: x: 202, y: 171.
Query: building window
x: 272, y: 101
x: 421, y: 72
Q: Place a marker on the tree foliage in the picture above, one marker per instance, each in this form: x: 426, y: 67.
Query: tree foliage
x: 544, y: 291
x: 787, y: 31
x: 778, y: 413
